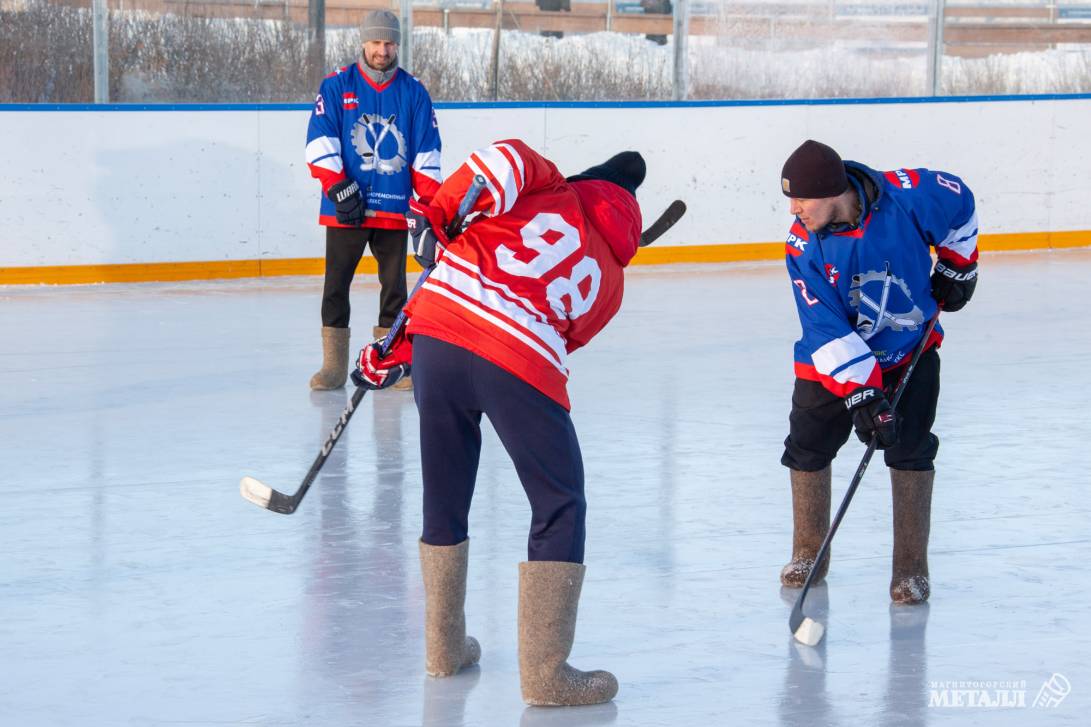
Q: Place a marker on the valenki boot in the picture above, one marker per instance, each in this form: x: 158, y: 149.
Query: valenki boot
x: 912, y: 497
x: 447, y: 647
x: 549, y: 593
x: 335, y: 359
x: 810, y: 523
x: 405, y: 383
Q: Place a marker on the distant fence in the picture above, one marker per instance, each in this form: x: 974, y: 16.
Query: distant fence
x: 278, y: 50
x: 969, y: 31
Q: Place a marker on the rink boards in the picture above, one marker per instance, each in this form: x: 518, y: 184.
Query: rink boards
x: 136, y: 193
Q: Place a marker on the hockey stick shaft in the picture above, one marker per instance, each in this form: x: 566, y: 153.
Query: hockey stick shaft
x: 284, y: 504
x: 796, y: 617
x: 468, y: 201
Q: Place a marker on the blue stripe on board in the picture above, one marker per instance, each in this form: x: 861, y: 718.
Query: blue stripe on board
x: 565, y: 104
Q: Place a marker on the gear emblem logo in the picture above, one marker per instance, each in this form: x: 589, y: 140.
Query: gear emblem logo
x: 872, y: 297
x: 368, y: 136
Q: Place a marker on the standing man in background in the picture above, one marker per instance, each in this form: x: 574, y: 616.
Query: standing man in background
x: 858, y: 256
x: 372, y: 142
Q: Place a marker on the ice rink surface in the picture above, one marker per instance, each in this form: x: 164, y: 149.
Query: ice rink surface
x: 138, y: 588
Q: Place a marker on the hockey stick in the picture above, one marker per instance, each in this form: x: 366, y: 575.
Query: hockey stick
x: 804, y: 628
x: 261, y: 494
x: 671, y: 215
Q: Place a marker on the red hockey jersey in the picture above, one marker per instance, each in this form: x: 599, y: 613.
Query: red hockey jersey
x: 537, y: 274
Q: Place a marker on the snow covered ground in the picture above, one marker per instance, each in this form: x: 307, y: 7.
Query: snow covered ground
x: 138, y: 588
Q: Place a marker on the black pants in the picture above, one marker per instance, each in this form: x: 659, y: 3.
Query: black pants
x: 344, y: 248
x: 820, y: 424
x: 453, y: 388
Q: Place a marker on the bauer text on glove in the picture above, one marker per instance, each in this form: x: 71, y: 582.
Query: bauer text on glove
x: 953, y: 285
x: 872, y: 414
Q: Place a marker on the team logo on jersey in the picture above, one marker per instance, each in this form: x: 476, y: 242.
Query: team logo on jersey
x: 379, y: 143
x: 883, y: 303
x: 904, y: 178
x: 832, y: 274
x: 349, y: 101
x: 796, y: 244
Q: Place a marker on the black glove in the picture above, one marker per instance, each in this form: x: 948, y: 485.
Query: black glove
x: 349, y: 202
x: 871, y: 414
x: 953, y: 286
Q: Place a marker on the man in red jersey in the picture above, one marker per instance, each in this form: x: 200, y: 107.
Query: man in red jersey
x: 536, y: 276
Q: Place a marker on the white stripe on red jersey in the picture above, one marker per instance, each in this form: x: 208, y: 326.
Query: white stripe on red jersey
x: 528, y: 325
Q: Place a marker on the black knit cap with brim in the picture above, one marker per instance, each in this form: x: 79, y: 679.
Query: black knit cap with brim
x: 813, y: 171
x: 626, y: 170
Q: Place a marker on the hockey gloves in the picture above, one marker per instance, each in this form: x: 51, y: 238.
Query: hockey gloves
x: 378, y: 372
x: 952, y: 285
x: 349, y: 202
x: 871, y: 414
x: 426, y: 230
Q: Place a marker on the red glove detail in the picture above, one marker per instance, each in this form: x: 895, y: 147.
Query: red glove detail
x: 381, y: 372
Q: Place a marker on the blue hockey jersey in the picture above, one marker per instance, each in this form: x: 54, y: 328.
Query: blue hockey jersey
x: 385, y: 137
x: 857, y: 319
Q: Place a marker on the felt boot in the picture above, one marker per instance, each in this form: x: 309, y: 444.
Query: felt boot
x: 447, y: 647
x: 810, y: 523
x: 335, y: 359
x: 549, y: 593
x: 912, y: 497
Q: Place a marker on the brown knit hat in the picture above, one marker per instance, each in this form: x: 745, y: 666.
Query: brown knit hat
x: 813, y: 171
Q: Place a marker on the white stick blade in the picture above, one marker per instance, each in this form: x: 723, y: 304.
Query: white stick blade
x: 255, y: 491
x: 810, y: 632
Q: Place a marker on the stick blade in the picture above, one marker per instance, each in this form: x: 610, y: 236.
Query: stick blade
x: 805, y: 629
x: 670, y: 216
x: 255, y: 491
x: 265, y: 496
x: 810, y: 632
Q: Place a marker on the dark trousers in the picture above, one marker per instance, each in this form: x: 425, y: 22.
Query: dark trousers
x: 820, y: 424
x: 453, y: 388
x: 344, y: 248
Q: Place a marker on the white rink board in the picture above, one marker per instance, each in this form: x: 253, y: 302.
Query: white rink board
x: 210, y: 185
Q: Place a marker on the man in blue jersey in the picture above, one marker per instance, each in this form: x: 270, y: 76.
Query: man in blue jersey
x: 859, y: 260
x: 372, y: 143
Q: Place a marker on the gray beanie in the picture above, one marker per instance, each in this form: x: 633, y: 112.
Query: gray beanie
x: 381, y: 25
